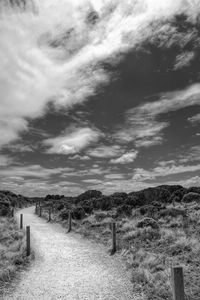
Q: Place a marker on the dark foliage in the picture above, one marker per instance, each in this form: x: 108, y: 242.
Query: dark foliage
x: 88, y: 195
x: 191, y: 197
x: 78, y: 213
x: 64, y: 214
x: 147, y: 222
x: 8, y: 200
x: 125, y: 210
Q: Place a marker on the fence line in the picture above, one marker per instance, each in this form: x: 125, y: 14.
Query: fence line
x: 177, y: 281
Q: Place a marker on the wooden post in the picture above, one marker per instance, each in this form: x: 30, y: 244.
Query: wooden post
x: 49, y: 215
x: 13, y: 212
x: 21, y: 221
x: 177, y: 283
x: 28, y: 241
x: 114, y: 242
x: 70, y: 221
x: 36, y: 206
x: 40, y: 211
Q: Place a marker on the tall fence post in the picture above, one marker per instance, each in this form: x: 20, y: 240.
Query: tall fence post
x: 28, y: 241
x: 177, y: 283
x: 114, y: 241
x: 49, y: 215
x: 69, y: 221
x: 40, y: 211
x: 36, y: 206
x: 21, y: 221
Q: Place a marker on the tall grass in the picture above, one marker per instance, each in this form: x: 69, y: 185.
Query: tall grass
x: 12, y: 250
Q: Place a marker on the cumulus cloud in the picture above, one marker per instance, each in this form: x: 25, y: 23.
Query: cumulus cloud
x: 125, y: 158
x: 71, y: 143
x: 51, y: 51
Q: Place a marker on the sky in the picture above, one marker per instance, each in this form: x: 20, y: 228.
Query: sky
x: 99, y: 94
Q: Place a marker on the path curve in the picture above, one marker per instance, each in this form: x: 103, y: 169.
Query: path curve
x: 68, y: 267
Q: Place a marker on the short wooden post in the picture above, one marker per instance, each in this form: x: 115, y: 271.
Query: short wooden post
x: 70, y: 221
x: 36, y: 206
x: 114, y: 241
x: 40, y: 211
x: 177, y: 283
x: 28, y: 241
x: 13, y: 212
x: 49, y: 215
x: 21, y: 221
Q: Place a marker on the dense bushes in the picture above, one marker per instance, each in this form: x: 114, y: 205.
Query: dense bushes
x: 88, y: 195
x: 124, y: 209
x: 8, y: 200
x: 191, y: 197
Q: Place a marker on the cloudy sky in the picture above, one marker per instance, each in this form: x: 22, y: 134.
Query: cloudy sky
x: 99, y: 94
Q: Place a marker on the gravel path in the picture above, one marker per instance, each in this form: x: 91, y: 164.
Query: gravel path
x: 67, y: 266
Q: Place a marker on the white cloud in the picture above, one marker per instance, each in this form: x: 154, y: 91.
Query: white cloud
x: 105, y: 151
x: 79, y: 157
x: 53, y: 55
x: 114, y: 176
x: 164, y: 170
x: 125, y: 158
x: 35, y: 171
x: 93, y: 181
x: 195, y: 119
x: 71, y: 143
x: 142, y: 125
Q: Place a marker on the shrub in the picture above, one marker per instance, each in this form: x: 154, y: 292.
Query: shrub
x: 118, y: 198
x: 103, y: 203
x: 146, y: 222
x: 191, y: 197
x: 134, y: 201
x: 173, y: 212
x: 124, y: 210
x: 87, y: 206
x: 4, y: 211
x: 64, y: 214
x: 88, y: 195
x: 78, y: 213
x: 60, y: 206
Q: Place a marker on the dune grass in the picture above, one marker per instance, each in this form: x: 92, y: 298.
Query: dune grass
x: 12, y: 250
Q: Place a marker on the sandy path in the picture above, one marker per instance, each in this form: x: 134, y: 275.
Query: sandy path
x: 68, y: 267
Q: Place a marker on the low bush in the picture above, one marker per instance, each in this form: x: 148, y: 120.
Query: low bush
x: 173, y: 212
x: 124, y: 210
x: 64, y: 214
x: 191, y: 197
x: 146, y: 222
x: 78, y: 213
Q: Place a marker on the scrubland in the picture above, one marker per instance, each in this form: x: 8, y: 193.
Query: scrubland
x: 157, y: 228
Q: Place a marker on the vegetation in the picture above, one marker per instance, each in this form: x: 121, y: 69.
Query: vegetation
x: 12, y: 240
x: 156, y: 228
